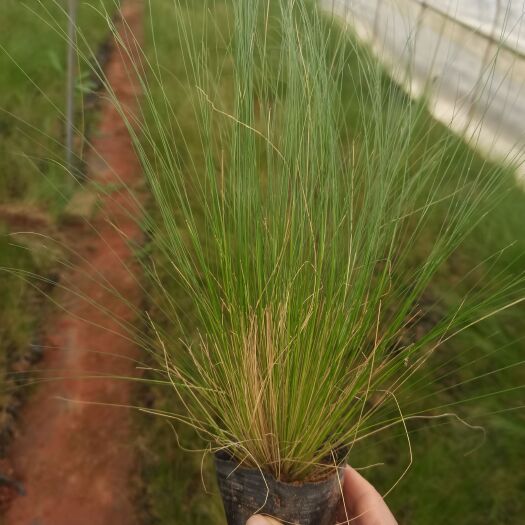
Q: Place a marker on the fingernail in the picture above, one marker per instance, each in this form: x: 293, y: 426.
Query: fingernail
x: 259, y: 520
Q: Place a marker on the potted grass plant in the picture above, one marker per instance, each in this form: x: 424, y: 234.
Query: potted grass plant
x: 303, y: 246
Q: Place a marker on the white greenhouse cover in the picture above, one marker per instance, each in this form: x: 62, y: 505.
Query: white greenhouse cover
x: 467, y: 56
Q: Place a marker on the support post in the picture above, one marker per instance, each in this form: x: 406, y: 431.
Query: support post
x: 72, y: 6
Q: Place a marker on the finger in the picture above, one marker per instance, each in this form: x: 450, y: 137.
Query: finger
x: 362, y: 502
x: 261, y: 520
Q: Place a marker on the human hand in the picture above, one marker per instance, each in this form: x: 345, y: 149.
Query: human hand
x: 362, y: 504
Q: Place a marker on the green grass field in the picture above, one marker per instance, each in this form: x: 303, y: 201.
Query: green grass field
x: 458, y: 474
x: 33, y: 181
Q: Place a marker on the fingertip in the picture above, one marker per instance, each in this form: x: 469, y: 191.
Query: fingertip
x: 353, y: 481
x: 256, y: 520
x: 261, y: 520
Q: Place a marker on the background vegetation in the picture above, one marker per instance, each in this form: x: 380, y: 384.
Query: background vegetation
x: 34, y: 184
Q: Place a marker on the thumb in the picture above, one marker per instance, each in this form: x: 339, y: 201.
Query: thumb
x: 261, y: 520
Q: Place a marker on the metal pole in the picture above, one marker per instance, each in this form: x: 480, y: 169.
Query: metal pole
x: 71, y: 80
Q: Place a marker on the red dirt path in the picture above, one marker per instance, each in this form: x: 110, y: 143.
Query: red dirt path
x: 76, y: 460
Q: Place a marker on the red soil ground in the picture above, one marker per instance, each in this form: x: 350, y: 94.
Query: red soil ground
x: 76, y: 460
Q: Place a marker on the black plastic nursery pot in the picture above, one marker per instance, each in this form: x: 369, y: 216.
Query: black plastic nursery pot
x: 246, y: 491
